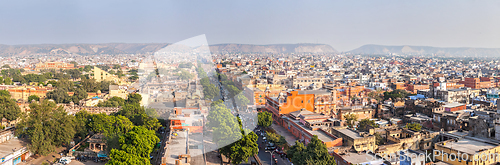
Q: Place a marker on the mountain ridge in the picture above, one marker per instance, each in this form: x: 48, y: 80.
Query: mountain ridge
x: 427, y: 51
x: 133, y: 48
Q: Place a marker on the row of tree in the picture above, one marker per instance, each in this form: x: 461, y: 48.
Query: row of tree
x: 234, y: 142
x: 129, y: 133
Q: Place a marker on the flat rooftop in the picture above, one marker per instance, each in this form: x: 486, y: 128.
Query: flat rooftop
x: 323, y: 136
x: 350, y: 133
x: 316, y: 92
x: 468, y: 146
x: 10, y: 146
x: 452, y: 105
x: 356, y: 158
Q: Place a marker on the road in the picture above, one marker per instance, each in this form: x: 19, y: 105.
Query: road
x: 265, y: 157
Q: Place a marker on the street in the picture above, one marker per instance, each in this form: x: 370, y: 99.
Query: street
x: 265, y: 157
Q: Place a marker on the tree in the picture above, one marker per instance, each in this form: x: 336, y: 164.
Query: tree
x: 242, y: 149
x: 414, y: 127
x: 265, y: 119
x: 7, y: 81
x: 6, y: 66
x: 33, y: 97
x: 296, y: 153
x: 315, y: 153
x: 47, y: 127
x: 82, y: 119
x: 134, y: 98
x: 151, y: 112
x: 139, y: 141
x: 74, y: 73
x: 147, y: 122
x: 378, y: 139
x: 210, y: 91
x: 8, y: 108
x: 366, y: 124
x: 116, y: 66
x: 112, y: 102
x: 350, y: 119
x: 398, y: 93
x: 276, y: 139
x: 241, y: 100
x: 59, y: 95
x: 90, y: 85
x: 74, y: 63
x: 184, y: 75
x: 119, y: 157
x: 4, y: 93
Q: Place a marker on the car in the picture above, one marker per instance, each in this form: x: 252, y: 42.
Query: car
x: 264, y: 138
x: 271, y: 148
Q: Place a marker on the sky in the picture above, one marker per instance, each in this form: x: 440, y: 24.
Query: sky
x: 345, y: 25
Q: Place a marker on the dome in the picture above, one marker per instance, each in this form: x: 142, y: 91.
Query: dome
x: 98, y: 91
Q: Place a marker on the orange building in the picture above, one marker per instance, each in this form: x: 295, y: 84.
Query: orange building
x: 24, y: 92
x: 413, y: 88
x: 53, y: 65
x: 478, y: 83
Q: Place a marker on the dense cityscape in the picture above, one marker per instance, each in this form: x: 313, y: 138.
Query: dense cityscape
x: 322, y: 82
x: 248, y: 108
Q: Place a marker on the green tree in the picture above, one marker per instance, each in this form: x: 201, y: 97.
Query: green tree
x: 134, y: 98
x: 116, y: 66
x: 82, y: 119
x: 74, y: 73
x: 113, y: 102
x: 74, y: 63
x: 4, y: 93
x: 151, y: 112
x: 119, y: 157
x: 239, y: 151
x: 33, y: 97
x: 6, y: 66
x: 146, y: 121
x: 265, y: 119
x: 59, y: 95
x: 379, y: 139
x: 241, y: 100
x: 8, y: 81
x: 90, y: 85
x: 315, y: 153
x: 350, y: 119
x: 366, y: 124
x: 139, y: 141
x: 414, y: 126
x: 210, y: 91
x: 184, y: 75
x: 8, y: 108
x: 296, y: 153
x: 47, y: 127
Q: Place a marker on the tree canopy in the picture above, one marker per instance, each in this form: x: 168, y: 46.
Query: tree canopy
x: 265, y: 119
x: 47, y: 127
x: 8, y: 108
x: 315, y: 153
x: 414, y: 126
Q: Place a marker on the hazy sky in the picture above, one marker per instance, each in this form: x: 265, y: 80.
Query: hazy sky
x: 344, y: 25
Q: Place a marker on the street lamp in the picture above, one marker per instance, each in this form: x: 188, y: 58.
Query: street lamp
x: 271, y: 152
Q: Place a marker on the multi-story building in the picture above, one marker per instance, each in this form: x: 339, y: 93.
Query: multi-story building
x: 53, y: 65
x: 478, y: 83
x: 23, y: 92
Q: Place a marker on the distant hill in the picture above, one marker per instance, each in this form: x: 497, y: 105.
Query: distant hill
x: 428, y: 51
x: 133, y: 48
x: 275, y: 48
x: 82, y: 49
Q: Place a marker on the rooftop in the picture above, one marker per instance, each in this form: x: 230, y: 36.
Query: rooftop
x: 316, y: 92
x: 352, y: 134
x: 452, y: 105
x: 10, y: 146
x: 468, y: 146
